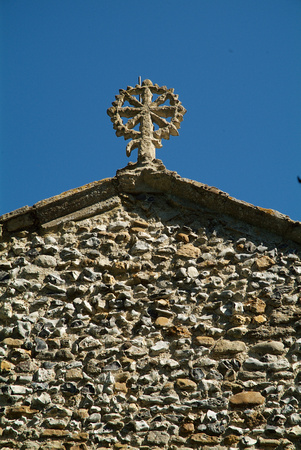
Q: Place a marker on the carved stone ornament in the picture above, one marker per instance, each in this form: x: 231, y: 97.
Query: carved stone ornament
x: 146, y: 112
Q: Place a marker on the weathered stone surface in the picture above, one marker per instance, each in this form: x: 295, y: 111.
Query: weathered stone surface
x: 189, y: 251
x: 15, y: 412
x: 120, y: 387
x: 157, y: 438
x: 12, y: 342
x: 6, y: 366
x: 162, y: 321
x: 247, y: 398
x: 187, y: 428
x: 74, y: 374
x: 224, y: 347
x: 46, y: 261
x: 202, y: 438
x: 256, y: 305
x: 54, y: 433
x: 112, y: 344
x: 147, y: 139
x: 185, y: 384
x: 159, y: 347
x: 205, y: 341
x: 272, y: 347
x: 263, y: 263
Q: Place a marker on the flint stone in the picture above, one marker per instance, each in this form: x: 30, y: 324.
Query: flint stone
x: 41, y: 345
x: 69, y: 388
x: 224, y: 346
x: 53, y: 279
x: 52, y: 422
x: 64, y: 354
x: 4, y: 276
x: 208, y: 403
x: 23, y: 329
x: 248, y: 441
x: 118, y: 225
x: 172, y: 363
x: 197, y: 374
x: 151, y: 399
x: 42, y: 399
x: 94, y: 418
x: 30, y: 445
x: 45, y: 261
x: 280, y: 364
x: 140, y: 247
x: 136, y: 351
x: 19, y: 390
x: 30, y: 272
x: 88, y: 343
x: 93, y: 242
x: 159, y: 347
x: 295, y: 431
x: 295, y: 419
x: 247, y: 398
x: 20, y: 285
x: 271, y: 347
x: 254, y: 364
x: 192, y: 272
x: 216, y: 428
x: 112, y: 366
x: 42, y: 375
x: 235, y: 430
x: 141, y: 425
x: 157, y: 438
x: 70, y: 254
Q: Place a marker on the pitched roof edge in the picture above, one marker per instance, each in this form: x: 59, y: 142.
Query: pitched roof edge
x: 155, y: 178
x: 150, y: 180
x: 59, y: 206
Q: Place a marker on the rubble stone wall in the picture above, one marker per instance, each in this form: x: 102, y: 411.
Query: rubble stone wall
x: 150, y: 326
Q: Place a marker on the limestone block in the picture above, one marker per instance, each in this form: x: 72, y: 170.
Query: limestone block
x: 202, y: 439
x: 247, y: 398
x: 205, y: 341
x: 158, y: 437
x: 188, y: 251
x: 185, y: 384
x: 271, y: 347
x: 263, y: 263
x: 223, y: 347
x: 45, y: 261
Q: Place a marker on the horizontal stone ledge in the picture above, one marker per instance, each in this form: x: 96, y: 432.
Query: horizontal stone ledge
x: 71, y: 205
x: 79, y: 203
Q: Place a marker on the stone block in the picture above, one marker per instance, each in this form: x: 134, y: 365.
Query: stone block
x: 224, y: 347
x: 188, y: 251
x: 247, y: 398
x: 157, y: 438
x: 185, y: 384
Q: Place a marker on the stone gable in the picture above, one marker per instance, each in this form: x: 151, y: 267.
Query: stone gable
x: 149, y: 311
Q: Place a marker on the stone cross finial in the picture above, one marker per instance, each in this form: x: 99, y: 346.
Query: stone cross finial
x: 146, y: 113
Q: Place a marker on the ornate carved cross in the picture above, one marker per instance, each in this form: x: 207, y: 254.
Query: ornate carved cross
x: 146, y: 113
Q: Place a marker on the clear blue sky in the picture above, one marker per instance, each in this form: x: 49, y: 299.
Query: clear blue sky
x: 236, y: 65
